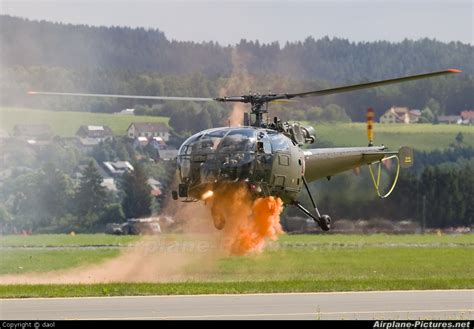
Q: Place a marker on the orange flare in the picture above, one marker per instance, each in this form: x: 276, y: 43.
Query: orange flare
x: 248, y: 223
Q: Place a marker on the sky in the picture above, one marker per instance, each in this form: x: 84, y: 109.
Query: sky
x: 227, y: 22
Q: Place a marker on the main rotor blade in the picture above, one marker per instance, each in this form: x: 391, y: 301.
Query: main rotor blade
x: 369, y: 84
x: 168, y: 98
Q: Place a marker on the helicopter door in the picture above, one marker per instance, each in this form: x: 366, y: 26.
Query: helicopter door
x: 281, y: 169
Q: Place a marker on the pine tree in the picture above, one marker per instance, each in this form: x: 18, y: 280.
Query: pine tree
x: 90, y: 195
x: 137, y: 200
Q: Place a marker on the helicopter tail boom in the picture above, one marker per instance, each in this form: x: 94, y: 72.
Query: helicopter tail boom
x: 327, y: 162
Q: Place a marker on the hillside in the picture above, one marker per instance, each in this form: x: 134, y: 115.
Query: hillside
x: 66, y: 124
x: 425, y: 137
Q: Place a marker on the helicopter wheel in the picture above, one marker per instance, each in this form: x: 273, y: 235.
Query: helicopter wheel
x: 325, y: 222
x: 219, y: 222
x: 218, y: 218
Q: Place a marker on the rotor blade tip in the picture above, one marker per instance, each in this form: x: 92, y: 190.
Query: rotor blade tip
x: 31, y: 92
x: 454, y: 71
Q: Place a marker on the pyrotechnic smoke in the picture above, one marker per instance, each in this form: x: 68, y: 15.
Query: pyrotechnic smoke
x: 248, y: 223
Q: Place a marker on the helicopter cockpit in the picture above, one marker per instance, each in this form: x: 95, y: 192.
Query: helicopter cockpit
x: 218, y: 153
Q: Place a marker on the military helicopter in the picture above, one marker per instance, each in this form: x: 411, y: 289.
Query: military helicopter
x: 267, y: 156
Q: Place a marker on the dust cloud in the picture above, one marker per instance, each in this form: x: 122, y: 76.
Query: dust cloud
x: 240, y: 81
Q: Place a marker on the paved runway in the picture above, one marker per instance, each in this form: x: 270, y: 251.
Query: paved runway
x: 432, y: 304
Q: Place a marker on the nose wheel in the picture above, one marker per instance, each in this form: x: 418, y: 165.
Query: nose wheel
x: 324, y: 221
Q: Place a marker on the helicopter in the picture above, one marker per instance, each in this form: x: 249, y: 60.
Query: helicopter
x: 267, y: 155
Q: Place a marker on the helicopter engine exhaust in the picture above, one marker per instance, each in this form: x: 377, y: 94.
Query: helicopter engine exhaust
x: 247, y: 222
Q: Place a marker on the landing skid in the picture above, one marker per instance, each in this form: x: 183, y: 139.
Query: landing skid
x: 324, y: 221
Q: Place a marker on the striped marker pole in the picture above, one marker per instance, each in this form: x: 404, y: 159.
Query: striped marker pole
x: 370, y: 125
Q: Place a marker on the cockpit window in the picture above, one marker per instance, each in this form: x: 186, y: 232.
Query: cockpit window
x: 186, y: 147
x: 240, y: 140
x: 279, y: 142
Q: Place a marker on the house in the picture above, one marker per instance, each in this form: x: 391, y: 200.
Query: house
x: 140, y: 142
x: 93, y: 135
x: 467, y: 117
x: 400, y: 115
x: 148, y: 129
x: 117, y: 168
x: 33, y: 132
x: 449, y: 119
x: 109, y: 184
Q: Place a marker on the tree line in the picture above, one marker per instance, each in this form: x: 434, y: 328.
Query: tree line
x: 119, y: 60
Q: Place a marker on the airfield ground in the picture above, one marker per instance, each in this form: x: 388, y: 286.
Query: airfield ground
x: 295, y: 263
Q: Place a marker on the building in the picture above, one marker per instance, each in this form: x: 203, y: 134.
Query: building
x: 33, y: 132
x: 148, y: 129
x: 400, y: 115
x: 467, y: 117
x: 450, y: 119
x: 90, y: 135
x: 117, y: 168
x: 140, y: 142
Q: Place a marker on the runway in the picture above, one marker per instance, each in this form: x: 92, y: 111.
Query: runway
x: 413, y: 305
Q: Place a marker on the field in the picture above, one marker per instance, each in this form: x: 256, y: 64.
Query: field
x: 66, y: 124
x: 296, y: 263
x: 424, y: 137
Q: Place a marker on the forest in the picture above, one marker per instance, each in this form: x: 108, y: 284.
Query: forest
x: 119, y: 60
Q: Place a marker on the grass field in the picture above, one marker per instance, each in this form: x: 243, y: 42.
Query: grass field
x: 55, y: 240
x: 37, y: 253
x: 296, y: 263
x: 66, y: 124
x: 27, y: 261
x: 418, y: 136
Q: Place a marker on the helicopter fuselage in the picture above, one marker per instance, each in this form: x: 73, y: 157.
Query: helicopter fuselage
x: 267, y: 161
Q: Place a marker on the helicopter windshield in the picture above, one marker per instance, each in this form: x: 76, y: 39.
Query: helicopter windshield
x: 217, y: 148
x: 239, y: 140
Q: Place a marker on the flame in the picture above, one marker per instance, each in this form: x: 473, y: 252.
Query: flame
x: 248, y: 223
x: 206, y: 195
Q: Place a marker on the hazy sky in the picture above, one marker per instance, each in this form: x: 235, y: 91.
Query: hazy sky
x: 229, y: 21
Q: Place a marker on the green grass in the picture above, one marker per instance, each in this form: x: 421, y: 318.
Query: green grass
x: 418, y: 136
x: 26, y: 261
x: 296, y: 263
x: 56, y: 240
x: 241, y: 287
x: 17, y: 261
x: 66, y: 124
x: 376, y: 239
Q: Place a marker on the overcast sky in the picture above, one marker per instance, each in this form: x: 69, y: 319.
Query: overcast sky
x: 229, y: 21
